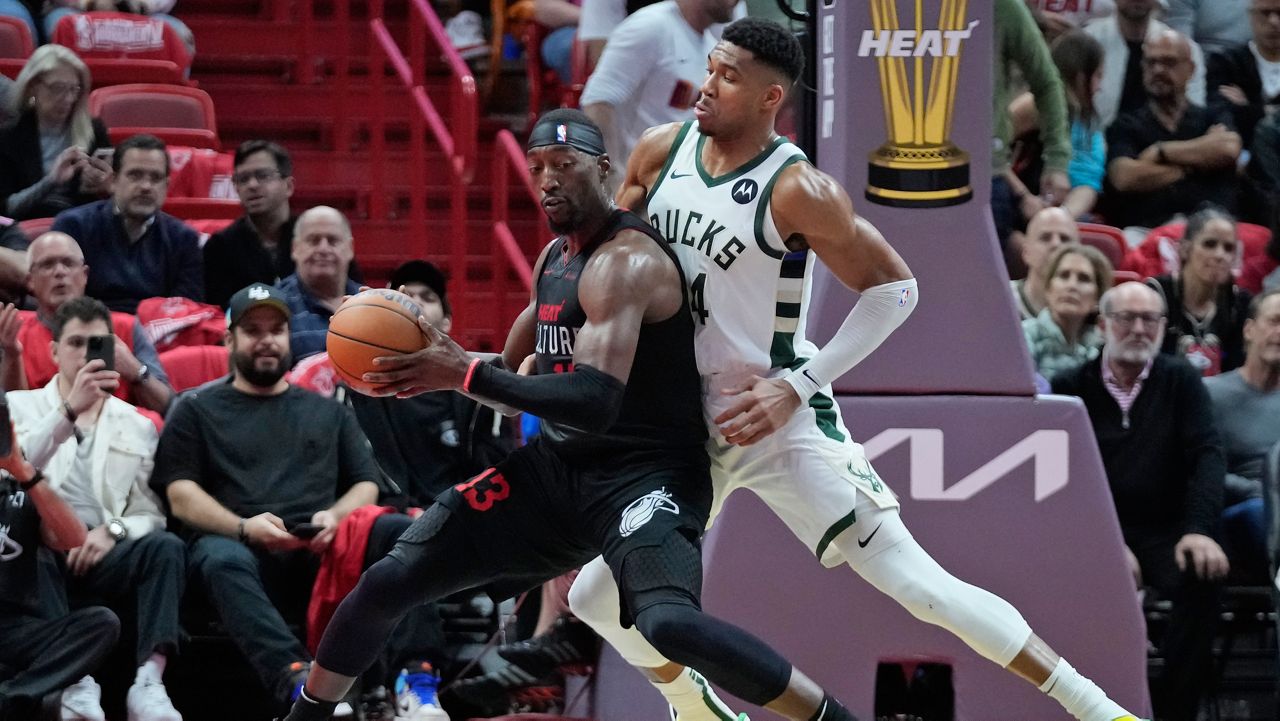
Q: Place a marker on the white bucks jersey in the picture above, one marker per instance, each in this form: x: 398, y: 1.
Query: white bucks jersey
x: 748, y: 293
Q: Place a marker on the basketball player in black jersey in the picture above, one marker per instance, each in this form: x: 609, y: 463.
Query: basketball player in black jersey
x: 620, y: 468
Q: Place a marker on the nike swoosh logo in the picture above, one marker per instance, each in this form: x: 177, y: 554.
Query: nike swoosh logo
x: 863, y: 543
x: 809, y: 375
x: 680, y: 175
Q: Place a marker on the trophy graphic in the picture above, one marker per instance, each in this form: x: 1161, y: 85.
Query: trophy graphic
x: 918, y: 166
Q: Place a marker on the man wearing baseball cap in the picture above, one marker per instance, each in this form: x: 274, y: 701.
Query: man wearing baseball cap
x: 244, y: 465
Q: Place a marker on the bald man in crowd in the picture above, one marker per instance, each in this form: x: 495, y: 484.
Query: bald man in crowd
x: 1046, y: 231
x: 58, y: 272
x: 322, y: 252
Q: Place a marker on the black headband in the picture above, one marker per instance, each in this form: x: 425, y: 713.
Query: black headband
x: 567, y: 131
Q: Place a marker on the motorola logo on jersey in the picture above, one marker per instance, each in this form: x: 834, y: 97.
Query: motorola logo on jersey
x: 744, y: 191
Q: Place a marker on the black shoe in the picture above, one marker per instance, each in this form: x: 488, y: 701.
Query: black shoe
x: 494, y: 689
x: 569, y: 641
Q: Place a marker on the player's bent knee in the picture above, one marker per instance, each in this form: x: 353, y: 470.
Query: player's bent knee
x: 387, y: 587
x: 593, y: 597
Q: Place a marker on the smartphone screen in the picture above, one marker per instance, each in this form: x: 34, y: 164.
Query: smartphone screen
x: 103, y: 347
x: 306, y: 530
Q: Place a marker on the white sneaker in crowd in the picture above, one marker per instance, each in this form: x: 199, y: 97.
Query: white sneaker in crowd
x: 82, y: 701
x: 149, y: 701
x: 466, y: 32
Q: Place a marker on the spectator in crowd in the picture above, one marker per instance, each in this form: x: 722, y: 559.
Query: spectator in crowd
x: 255, y: 248
x: 1063, y: 335
x: 1244, y: 80
x: 159, y: 9
x: 47, y: 155
x: 561, y: 17
x: 241, y: 464
x: 1206, y: 309
x: 651, y: 71
x: 1264, y: 163
x: 1019, y: 45
x: 1048, y: 230
x: 13, y: 262
x: 1246, y: 403
x: 322, y: 252
x: 1170, y: 155
x: 136, y: 250
x: 1154, y: 425
x: 96, y: 451
x: 44, y: 652
x: 1078, y: 58
x: 58, y: 275
x: 1057, y: 18
x: 1215, y: 24
x: 1123, y: 37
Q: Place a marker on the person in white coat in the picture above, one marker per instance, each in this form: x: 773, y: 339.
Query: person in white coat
x: 97, y: 452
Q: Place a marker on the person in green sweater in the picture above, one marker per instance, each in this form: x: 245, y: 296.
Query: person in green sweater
x: 1019, y: 44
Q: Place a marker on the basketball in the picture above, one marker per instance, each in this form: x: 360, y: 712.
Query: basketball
x: 377, y: 322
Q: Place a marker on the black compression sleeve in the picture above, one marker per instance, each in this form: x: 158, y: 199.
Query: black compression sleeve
x: 584, y: 398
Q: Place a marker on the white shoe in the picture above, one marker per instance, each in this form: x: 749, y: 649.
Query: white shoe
x: 466, y: 32
x: 149, y: 701
x: 344, y: 710
x: 82, y: 701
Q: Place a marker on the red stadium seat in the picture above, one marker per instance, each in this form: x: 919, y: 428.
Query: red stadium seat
x: 203, y: 208
x: 118, y: 71
x: 33, y: 227
x: 200, y: 173
x: 191, y: 365
x: 116, y: 36
x: 1106, y: 238
x: 16, y: 45
x: 174, y: 322
x: 176, y: 114
x: 544, y: 83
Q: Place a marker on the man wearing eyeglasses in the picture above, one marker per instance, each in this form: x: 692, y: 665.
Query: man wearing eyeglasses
x: 1170, y: 155
x: 255, y: 248
x: 136, y: 250
x: 58, y: 273
x: 1154, y: 425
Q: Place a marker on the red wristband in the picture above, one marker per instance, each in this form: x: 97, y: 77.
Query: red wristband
x: 471, y: 371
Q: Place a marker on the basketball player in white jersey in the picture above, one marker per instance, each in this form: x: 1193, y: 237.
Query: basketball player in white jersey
x: 746, y: 213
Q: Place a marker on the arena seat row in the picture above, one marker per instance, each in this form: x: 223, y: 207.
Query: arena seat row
x: 118, y: 47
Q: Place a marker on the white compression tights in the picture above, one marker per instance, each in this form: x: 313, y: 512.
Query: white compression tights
x: 986, y: 622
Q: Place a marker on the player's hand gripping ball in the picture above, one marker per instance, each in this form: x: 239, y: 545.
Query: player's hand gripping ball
x: 373, y: 323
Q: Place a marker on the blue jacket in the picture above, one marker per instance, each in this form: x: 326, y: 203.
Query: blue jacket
x: 309, y: 323
x: 164, y: 262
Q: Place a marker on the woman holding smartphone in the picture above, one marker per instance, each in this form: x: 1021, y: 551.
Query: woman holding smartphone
x: 47, y: 154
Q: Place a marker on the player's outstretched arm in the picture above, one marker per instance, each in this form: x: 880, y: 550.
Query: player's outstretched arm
x: 812, y: 211
x: 645, y: 165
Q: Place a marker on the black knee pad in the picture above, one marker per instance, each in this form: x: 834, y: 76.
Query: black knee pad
x: 670, y: 572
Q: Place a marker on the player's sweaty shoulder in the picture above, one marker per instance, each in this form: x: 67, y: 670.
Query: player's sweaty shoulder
x: 650, y: 154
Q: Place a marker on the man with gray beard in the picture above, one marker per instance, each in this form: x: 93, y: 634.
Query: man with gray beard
x: 1154, y: 424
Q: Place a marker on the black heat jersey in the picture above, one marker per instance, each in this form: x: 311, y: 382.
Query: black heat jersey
x: 662, y: 405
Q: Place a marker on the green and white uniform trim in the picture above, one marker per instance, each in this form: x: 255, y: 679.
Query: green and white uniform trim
x: 750, y: 297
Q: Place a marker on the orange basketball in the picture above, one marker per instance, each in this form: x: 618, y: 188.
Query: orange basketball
x: 377, y: 322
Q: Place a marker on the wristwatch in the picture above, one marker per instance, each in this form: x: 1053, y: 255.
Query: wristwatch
x: 143, y: 374
x: 117, y: 530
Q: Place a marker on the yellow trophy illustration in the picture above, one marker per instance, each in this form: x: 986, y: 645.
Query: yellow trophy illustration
x: 918, y: 166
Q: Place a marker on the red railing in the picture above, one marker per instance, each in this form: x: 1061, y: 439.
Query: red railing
x: 457, y: 138
x: 508, y: 257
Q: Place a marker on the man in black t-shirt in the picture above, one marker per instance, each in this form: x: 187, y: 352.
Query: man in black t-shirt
x: 1168, y: 156
x: 253, y: 468
x: 45, y: 649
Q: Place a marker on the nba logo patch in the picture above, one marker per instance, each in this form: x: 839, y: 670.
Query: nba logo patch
x: 903, y: 297
x: 562, y: 133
